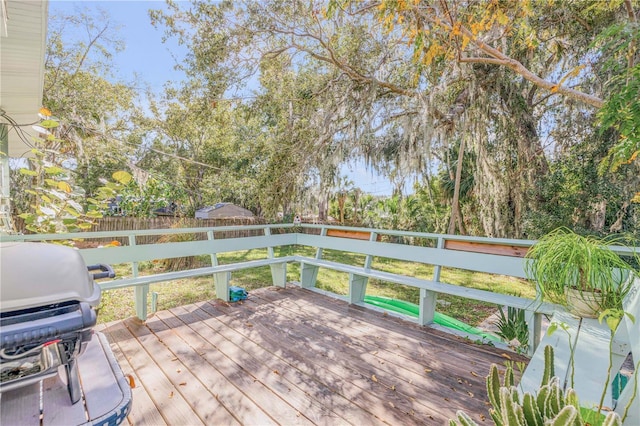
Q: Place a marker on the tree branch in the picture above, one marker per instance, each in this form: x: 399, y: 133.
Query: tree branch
x: 481, y: 60
x: 513, y: 64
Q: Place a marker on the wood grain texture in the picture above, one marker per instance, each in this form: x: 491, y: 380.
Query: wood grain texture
x: 501, y: 249
x: 143, y: 409
x: 358, y: 235
x: 292, y: 356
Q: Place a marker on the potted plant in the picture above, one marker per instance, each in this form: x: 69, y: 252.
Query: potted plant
x: 583, y: 273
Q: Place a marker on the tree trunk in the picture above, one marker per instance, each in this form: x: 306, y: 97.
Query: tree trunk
x: 455, y: 207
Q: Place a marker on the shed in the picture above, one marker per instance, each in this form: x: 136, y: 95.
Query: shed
x: 223, y: 210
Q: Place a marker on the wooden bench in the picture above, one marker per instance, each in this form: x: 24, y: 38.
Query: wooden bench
x: 135, y: 253
x: 429, y: 288
x: 106, y: 394
x: 590, y: 341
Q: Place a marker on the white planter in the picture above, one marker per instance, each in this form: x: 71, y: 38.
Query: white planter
x: 585, y: 304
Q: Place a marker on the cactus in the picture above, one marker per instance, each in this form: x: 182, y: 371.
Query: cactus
x: 493, y: 387
x: 532, y: 414
x: 464, y: 420
x: 571, y: 398
x: 549, y: 371
x: 511, y: 412
x: 555, y: 401
x: 612, y: 419
x: 508, y: 376
x: 567, y: 416
x: 550, y: 406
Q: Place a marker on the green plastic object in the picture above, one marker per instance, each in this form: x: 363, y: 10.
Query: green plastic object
x: 411, y: 309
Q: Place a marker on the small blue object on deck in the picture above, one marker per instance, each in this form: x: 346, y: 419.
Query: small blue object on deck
x: 237, y: 293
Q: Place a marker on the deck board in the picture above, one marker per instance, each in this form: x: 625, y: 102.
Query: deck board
x: 327, y: 359
x: 295, y: 357
x: 310, y: 397
x: 144, y: 410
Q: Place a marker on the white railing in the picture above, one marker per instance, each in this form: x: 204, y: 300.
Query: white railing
x: 488, y: 255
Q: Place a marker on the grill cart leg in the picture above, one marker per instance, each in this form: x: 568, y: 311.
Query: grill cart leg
x: 73, y: 380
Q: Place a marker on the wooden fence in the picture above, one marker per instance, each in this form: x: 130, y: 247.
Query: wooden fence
x: 112, y: 224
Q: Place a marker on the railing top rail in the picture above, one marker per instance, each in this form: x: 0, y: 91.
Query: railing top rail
x: 137, y: 232
x: 168, y: 231
x: 509, y: 241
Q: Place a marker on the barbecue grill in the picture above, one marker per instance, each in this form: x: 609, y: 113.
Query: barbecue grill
x: 47, y: 311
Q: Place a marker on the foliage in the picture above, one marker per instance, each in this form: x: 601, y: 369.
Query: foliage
x: 563, y: 259
x: 179, y: 263
x: 56, y: 203
x: 551, y: 405
x: 137, y: 200
x: 400, y: 86
x: 94, y: 111
x: 575, y: 194
x: 512, y: 326
x: 334, y: 87
x: 621, y: 111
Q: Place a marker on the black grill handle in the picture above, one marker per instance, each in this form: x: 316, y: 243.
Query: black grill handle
x: 107, y: 271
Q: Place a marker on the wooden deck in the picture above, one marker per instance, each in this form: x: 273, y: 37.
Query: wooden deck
x: 294, y: 357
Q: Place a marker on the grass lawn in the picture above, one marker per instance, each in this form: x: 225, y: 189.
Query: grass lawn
x: 118, y: 304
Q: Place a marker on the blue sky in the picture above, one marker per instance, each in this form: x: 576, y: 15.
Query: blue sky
x: 152, y: 61
x: 144, y: 54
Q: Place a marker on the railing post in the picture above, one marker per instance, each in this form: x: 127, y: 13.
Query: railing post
x: 309, y: 273
x: 323, y: 233
x: 222, y: 285
x: 358, y: 283
x: 141, y: 292
x: 278, y: 271
x: 220, y: 279
x: 369, y: 259
x: 214, y: 256
x: 429, y: 298
x: 357, y: 288
x: 534, y: 324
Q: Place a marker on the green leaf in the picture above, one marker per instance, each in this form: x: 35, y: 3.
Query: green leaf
x: 54, y: 170
x: 72, y: 211
x: 64, y: 186
x: 28, y: 172
x: 49, y: 124
x: 613, y: 322
x: 122, y: 177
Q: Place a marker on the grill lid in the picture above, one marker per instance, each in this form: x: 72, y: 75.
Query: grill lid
x: 38, y: 274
